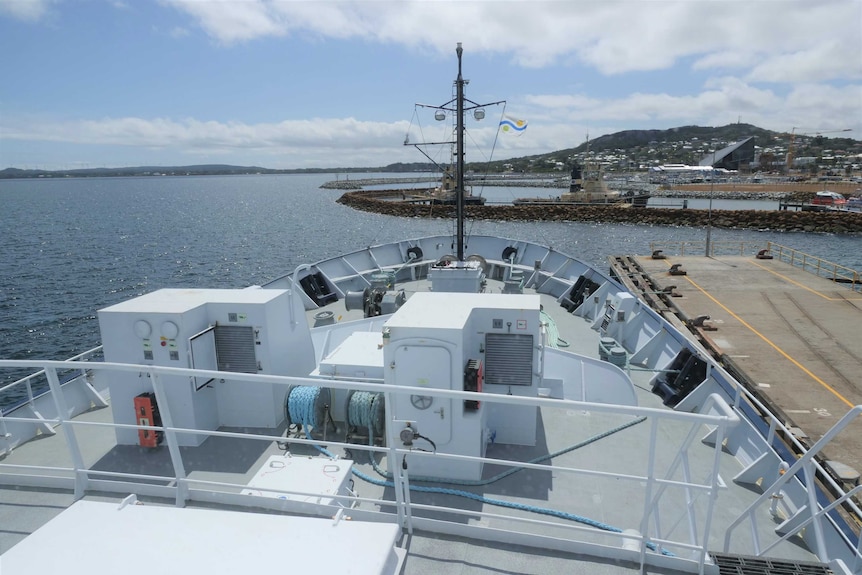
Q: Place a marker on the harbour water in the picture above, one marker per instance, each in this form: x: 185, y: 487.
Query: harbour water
x: 72, y: 246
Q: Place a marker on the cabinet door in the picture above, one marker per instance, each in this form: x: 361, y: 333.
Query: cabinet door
x: 429, y: 367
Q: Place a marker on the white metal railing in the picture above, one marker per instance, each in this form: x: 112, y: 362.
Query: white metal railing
x: 817, y: 266
x: 776, y: 427
x: 12, y: 396
x: 813, y: 514
x: 658, y: 483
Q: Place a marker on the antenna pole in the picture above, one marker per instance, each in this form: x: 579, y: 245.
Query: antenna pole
x: 462, y: 105
x: 459, y: 161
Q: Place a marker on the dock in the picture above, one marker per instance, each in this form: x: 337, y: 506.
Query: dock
x: 793, y: 337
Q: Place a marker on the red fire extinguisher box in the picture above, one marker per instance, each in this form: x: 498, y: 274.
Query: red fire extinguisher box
x: 147, y: 413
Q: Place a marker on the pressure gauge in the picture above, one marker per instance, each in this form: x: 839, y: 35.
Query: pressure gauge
x: 143, y: 329
x: 170, y: 330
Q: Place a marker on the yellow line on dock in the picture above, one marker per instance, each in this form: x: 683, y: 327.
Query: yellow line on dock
x: 771, y: 344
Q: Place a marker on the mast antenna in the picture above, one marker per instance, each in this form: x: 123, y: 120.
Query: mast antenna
x: 461, y: 105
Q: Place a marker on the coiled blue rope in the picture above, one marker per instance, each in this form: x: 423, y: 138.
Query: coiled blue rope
x: 302, y: 404
x: 365, y: 409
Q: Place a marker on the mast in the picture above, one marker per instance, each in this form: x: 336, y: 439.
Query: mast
x: 462, y: 105
x: 459, y: 158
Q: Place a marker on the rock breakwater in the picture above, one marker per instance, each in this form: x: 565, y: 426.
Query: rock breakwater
x: 836, y: 222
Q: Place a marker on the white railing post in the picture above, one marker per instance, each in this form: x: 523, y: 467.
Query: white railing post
x: 402, y: 510
x: 81, y: 477
x: 770, y: 435
x: 857, y: 561
x: 713, y: 492
x: 30, y: 391
x: 649, y: 505
x: 811, y: 485
x: 171, y: 439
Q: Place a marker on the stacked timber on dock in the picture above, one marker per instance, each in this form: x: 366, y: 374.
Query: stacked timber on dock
x: 838, y: 222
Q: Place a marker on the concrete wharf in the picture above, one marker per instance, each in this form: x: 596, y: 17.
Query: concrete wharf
x: 792, y: 336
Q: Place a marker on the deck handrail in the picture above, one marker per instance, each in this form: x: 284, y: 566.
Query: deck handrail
x: 725, y: 419
x: 776, y: 425
x: 805, y: 463
x: 718, y: 414
x: 28, y: 380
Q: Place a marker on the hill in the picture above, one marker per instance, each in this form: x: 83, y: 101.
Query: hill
x: 633, y: 149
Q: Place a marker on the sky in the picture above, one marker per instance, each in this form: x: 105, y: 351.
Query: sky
x: 323, y: 84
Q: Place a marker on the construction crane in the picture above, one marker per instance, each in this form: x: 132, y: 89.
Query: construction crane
x: 788, y: 162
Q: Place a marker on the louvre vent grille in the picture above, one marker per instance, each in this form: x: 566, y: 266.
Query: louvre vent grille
x: 508, y: 359
x: 745, y: 565
x: 235, y: 348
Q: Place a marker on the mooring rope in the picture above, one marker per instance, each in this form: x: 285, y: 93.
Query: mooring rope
x: 301, y: 405
x: 365, y: 409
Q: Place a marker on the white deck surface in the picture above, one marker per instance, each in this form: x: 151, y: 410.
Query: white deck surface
x: 146, y: 539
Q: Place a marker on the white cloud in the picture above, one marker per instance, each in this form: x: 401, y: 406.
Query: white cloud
x: 27, y: 10
x: 163, y: 132
x: 232, y: 21
x: 722, y: 101
x: 329, y: 142
x: 556, y: 121
x: 826, y: 61
x: 779, y: 41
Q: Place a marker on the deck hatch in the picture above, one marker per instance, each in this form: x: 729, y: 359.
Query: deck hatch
x: 746, y: 565
x: 235, y: 348
x: 508, y: 359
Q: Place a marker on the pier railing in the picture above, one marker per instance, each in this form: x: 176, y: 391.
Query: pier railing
x: 817, y: 266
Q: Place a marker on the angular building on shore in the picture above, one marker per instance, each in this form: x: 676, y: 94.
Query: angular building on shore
x: 736, y: 156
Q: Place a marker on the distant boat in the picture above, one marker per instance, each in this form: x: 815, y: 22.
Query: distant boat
x: 827, y: 198
x: 444, y: 194
x: 588, y: 187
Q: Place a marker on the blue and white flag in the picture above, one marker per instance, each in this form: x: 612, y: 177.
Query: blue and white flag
x: 510, y: 125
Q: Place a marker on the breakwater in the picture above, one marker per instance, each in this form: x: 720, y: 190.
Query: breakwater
x: 837, y: 222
